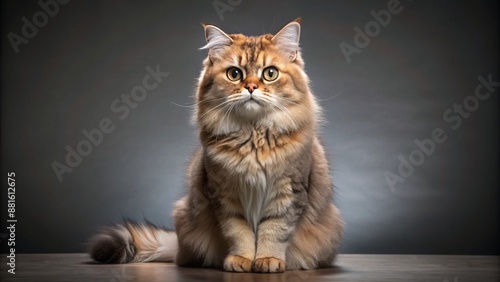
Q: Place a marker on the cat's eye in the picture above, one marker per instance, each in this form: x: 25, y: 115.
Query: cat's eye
x: 234, y: 74
x: 270, y: 73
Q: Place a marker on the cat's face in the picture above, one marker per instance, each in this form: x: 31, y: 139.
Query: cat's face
x: 253, y: 80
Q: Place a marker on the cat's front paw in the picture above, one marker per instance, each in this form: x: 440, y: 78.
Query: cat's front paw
x: 269, y: 264
x: 237, y: 264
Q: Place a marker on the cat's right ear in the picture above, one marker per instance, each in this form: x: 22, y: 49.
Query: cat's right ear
x: 217, y: 40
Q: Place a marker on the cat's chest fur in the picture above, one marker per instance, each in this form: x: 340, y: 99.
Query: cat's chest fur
x: 251, y: 152
x: 253, y: 164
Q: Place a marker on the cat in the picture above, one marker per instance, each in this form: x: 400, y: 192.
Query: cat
x: 259, y: 192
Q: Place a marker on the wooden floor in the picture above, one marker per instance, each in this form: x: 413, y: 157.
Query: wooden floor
x: 78, y: 267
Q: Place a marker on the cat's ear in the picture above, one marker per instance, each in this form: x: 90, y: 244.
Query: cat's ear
x: 217, y: 40
x: 287, y: 39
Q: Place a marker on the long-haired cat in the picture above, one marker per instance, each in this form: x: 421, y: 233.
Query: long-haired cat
x: 259, y: 193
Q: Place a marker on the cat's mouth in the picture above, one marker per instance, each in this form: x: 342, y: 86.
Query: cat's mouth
x: 252, y: 100
x: 251, y: 105
x: 249, y: 98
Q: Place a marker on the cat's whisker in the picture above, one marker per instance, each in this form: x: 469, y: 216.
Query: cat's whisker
x: 226, y: 105
x: 231, y: 102
x: 197, y: 103
x: 329, y: 98
x: 227, y: 113
x: 280, y: 107
x: 274, y: 110
x: 231, y: 99
x: 185, y: 106
x: 293, y: 102
x: 288, y: 113
x: 229, y: 106
x: 282, y: 98
x: 212, y: 109
x: 210, y: 100
x: 287, y: 100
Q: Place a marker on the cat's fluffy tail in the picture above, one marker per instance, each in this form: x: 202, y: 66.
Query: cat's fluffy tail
x: 132, y: 242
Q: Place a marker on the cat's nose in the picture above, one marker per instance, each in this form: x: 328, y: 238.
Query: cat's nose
x: 251, y: 83
x: 251, y: 87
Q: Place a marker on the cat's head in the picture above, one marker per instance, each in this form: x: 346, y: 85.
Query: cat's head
x: 254, y: 81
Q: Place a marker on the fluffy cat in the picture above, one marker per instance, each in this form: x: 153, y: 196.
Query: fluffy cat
x: 259, y: 193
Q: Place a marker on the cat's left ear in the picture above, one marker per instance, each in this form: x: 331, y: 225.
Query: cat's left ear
x: 217, y: 40
x: 287, y: 39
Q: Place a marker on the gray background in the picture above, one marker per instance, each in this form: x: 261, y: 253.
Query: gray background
x: 393, y: 92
